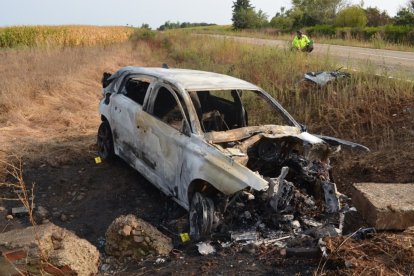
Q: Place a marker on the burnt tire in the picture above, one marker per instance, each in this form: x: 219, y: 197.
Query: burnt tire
x: 201, y: 216
x: 105, y: 141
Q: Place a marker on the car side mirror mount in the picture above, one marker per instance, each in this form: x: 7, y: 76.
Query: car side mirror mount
x: 303, y: 128
x: 107, y: 98
x: 185, y: 129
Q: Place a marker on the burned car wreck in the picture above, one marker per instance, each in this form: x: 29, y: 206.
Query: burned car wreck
x: 221, y: 147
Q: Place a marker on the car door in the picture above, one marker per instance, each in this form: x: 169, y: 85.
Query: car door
x: 165, y: 136
x: 125, y: 105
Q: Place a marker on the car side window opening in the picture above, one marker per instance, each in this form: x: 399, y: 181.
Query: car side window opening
x: 230, y: 109
x: 136, y: 90
x: 167, y: 109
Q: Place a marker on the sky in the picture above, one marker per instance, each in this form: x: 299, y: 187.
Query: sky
x: 137, y: 12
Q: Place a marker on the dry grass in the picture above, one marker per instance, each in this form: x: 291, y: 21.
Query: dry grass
x: 49, y: 98
x: 384, y: 254
x: 62, y: 36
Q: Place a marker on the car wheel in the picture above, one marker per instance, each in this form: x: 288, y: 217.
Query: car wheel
x: 201, y: 216
x: 105, y: 141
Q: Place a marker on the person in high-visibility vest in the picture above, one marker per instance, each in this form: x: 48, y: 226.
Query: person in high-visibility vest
x: 302, y: 43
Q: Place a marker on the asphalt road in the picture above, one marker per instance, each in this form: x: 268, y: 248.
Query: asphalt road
x: 384, y: 62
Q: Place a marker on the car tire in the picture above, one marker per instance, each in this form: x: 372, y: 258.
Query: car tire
x: 201, y: 216
x: 105, y: 141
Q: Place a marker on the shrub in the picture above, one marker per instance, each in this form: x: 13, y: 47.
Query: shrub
x: 352, y: 16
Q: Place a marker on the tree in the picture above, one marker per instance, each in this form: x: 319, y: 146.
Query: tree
x: 312, y: 12
x: 245, y: 16
x: 376, y: 18
x: 281, y: 20
x: 352, y: 16
x: 405, y: 16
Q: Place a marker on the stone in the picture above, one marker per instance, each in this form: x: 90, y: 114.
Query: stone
x: 45, y: 221
x: 120, y: 245
x: 105, y: 267
x: 138, y: 239
x: 385, y: 206
x: 80, y: 197
x: 70, y: 256
x: 126, y: 230
x: 63, y: 217
x: 42, y: 212
x: 2, y: 209
x: 19, y: 211
x: 9, y: 217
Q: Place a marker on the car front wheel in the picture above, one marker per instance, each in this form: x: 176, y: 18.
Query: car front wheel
x: 105, y: 141
x: 201, y: 216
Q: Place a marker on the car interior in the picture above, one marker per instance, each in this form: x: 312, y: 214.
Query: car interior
x: 219, y: 114
x: 136, y: 90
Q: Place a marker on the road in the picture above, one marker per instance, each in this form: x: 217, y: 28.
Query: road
x: 384, y: 62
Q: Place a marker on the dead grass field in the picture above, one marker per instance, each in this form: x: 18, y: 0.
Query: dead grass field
x: 49, y: 98
x: 62, y: 36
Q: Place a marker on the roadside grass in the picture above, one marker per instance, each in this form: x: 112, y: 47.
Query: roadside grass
x: 62, y: 36
x: 269, y: 33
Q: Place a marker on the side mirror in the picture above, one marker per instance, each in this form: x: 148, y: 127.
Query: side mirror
x: 303, y: 128
x: 107, y: 98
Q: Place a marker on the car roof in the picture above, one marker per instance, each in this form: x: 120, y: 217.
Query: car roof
x: 192, y: 80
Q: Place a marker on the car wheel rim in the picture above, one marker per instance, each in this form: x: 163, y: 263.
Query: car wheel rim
x: 201, y: 216
x: 103, y: 142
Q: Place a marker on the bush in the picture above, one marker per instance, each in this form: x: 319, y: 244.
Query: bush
x: 142, y: 34
x: 398, y: 34
x: 353, y: 16
x: 321, y: 30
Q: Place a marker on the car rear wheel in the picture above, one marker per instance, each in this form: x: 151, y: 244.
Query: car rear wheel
x: 201, y: 216
x: 105, y: 141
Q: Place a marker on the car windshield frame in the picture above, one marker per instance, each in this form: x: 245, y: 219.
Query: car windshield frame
x: 274, y: 104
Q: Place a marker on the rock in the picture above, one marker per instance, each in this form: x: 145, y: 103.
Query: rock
x: 385, y: 206
x: 150, y: 241
x: 126, y: 230
x: 9, y: 217
x: 63, y: 217
x: 2, y: 209
x: 138, y: 239
x: 69, y: 256
x: 42, y: 212
x: 19, y: 211
x: 80, y: 197
x: 45, y: 221
x: 105, y: 267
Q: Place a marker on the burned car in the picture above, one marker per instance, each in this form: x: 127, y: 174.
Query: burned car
x: 210, y: 140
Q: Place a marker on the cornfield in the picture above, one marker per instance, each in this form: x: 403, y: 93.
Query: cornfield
x: 62, y: 36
